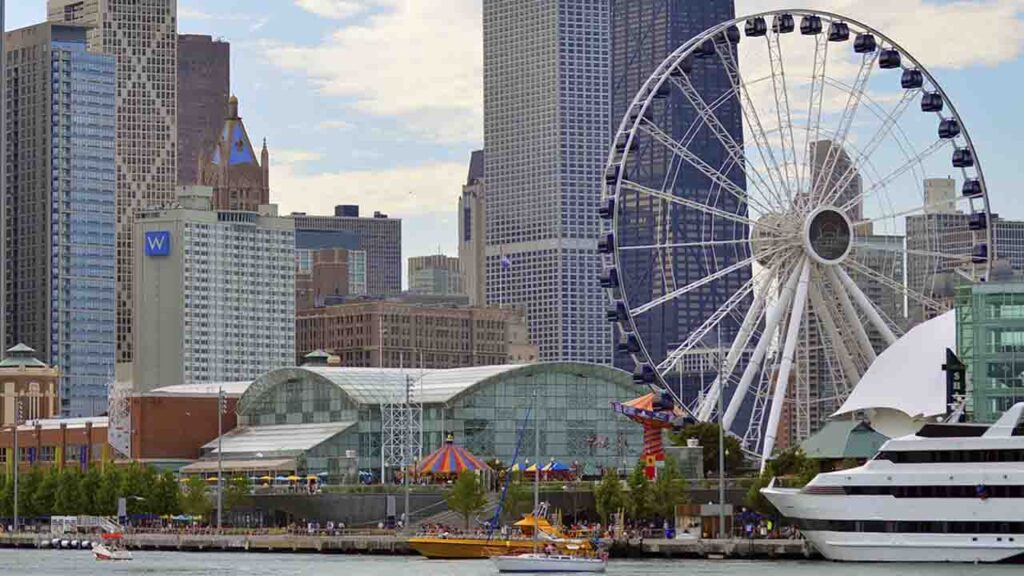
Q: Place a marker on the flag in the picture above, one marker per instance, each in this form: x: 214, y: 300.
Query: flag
x: 506, y: 263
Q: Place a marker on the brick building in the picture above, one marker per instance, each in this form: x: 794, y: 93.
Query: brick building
x: 327, y: 276
x: 415, y: 335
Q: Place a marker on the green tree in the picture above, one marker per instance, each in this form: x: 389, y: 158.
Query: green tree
x: 641, y: 497
x: 236, y: 494
x: 467, y: 496
x: 669, y: 489
x: 136, y: 483
x: 109, y: 490
x: 165, y: 496
x: 518, y: 500
x: 795, y: 465
x: 45, y: 494
x: 90, y: 488
x: 707, y: 434
x: 68, y: 500
x: 28, y: 484
x: 755, y: 500
x: 195, y: 500
x: 608, y: 496
x: 6, y: 495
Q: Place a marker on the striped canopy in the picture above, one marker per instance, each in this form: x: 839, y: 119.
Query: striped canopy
x: 450, y: 458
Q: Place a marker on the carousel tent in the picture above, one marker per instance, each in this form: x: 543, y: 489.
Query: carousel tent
x: 450, y: 459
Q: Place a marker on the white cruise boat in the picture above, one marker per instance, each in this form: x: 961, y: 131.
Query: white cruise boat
x: 949, y: 493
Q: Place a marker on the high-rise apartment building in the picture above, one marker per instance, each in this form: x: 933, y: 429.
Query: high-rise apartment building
x: 437, y: 275
x: 3, y: 173
x: 142, y: 36
x: 643, y: 34
x: 380, y: 237
x: 546, y: 117
x: 472, y: 231
x: 216, y: 293
x: 230, y: 167
x: 60, y: 252
x: 397, y: 334
x: 204, y: 85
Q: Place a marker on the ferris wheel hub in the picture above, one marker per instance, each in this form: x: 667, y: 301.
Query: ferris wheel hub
x: 828, y: 235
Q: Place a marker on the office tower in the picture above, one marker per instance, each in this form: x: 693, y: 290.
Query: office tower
x: 328, y: 276
x: 643, y: 34
x: 380, y: 237
x: 230, y: 167
x: 142, y: 36
x: 546, y: 117
x: 472, y: 231
x: 216, y: 293
x: 831, y: 166
x: 939, y: 196
x: 437, y: 275
x: 60, y: 197
x: 204, y: 85
x: 3, y: 175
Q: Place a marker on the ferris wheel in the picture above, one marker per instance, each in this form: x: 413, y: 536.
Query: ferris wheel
x: 786, y: 195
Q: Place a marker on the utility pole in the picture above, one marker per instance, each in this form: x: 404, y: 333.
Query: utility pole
x: 721, y: 441
x: 221, y: 409
x: 407, y: 452
x: 17, y: 457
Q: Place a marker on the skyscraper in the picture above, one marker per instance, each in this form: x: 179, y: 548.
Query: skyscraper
x: 643, y: 34
x: 60, y: 255
x: 143, y: 38
x: 3, y: 173
x: 437, y: 275
x: 204, y: 85
x: 380, y: 237
x: 472, y: 230
x: 546, y: 117
x: 230, y: 167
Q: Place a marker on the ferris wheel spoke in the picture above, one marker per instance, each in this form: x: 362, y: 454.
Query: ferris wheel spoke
x: 783, y: 114
x: 850, y: 315
x: 898, y: 287
x: 817, y: 95
x: 692, y: 159
x: 742, y: 264
x: 828, y: 325
x: 775, y: 315
x: 864, y: 154
x: 865, y: 304
x: 714, y: 124
x: 753, y: 119
x: 788, y: 352
x: 693, y: 204
x: 884, y: 182
x: 835, y: 150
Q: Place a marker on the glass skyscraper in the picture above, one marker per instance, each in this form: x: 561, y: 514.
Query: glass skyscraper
x: 61, y: 249
x: 643, y: 34
x: 546, y: 116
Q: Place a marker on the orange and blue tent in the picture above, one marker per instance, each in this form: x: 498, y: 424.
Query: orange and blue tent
x: 450, y: 458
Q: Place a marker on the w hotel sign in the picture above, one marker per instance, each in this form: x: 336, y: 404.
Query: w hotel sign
x: 158, y: 243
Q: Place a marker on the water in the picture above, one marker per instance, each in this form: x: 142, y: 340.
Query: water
x: 81, y: 563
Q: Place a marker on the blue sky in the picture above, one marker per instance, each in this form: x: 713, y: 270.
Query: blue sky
x: 379, y: 102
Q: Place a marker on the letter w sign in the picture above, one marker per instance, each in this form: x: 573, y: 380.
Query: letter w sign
x: 158, y: 243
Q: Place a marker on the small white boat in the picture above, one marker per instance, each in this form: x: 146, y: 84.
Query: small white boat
x: 104, y: 552
x: 540, y: 563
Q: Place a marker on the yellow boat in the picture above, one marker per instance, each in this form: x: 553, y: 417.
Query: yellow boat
x: 466, y: 548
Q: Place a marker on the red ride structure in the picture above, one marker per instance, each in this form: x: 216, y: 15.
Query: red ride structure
x: 656, y: 413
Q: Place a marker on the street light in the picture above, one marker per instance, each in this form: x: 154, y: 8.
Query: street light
x: 222, y: 408
x: 17, y: 457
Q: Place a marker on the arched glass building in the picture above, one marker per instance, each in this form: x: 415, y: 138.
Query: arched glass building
x: 306, y: 419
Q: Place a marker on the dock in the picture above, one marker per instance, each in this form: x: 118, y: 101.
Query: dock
x: 734, y: 548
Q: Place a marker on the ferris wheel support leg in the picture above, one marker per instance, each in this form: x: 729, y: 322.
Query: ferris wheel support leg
x: 775, y: 314
x: 866, y: 306
x: 735, y: 351
x: 850, y: 372
x: 789, y: 349
x: 851, y: 315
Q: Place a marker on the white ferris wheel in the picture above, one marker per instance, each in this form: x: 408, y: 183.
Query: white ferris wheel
x: 767, y: 190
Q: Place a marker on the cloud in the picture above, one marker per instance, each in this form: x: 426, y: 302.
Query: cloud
x: 410, y: 61
x: 334, y: 125
x: 335, y: 9
x: 403, y: 191
x: 285, y: 156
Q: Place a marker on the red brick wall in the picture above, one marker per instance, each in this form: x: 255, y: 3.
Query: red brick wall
x: 171, y: 427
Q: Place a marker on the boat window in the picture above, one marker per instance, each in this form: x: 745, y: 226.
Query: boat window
x: 950, y: 456
x: 916, y: 527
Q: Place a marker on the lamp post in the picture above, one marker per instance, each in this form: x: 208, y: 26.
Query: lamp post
x: 721, y: 442
x: 221, y: 409
x: 17, y: 457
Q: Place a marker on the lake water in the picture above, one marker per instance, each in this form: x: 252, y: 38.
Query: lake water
x: 81, y: 563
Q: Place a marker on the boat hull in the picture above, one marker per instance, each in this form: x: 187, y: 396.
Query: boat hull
x: 468, y: 548
x: 541, y: 564
x: 102, y: 552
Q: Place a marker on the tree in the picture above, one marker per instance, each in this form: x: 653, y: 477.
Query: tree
x: 136, y: 483
x: 518, y: 500
x: 794, y: 464
x: 641, y: 498
x: 195, y: 500
x: 68, y: 500
x: 608, y: 495
x: 165, y: 497
x: 108, y: 492
x: 6, y: 495
x: 755, y: 500
x: 46, y: 493
x: 236, y: 495
x: 707, y: 434
x: 90, y: 488
x: 467, y: 496
x: 669, y: 489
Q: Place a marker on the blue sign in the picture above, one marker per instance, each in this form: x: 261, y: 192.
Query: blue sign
x: 158, y: 243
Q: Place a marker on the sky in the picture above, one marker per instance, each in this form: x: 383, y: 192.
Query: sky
x: 380, y: 102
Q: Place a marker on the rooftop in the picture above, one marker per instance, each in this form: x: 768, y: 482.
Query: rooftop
x: 231, y: 389
x: 276, y: 441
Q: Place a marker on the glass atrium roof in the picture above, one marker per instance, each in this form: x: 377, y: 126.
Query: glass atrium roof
x: 277, y: 440
x: 376, y: 385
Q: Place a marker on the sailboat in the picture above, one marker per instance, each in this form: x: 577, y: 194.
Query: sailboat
x: 552, y: 559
